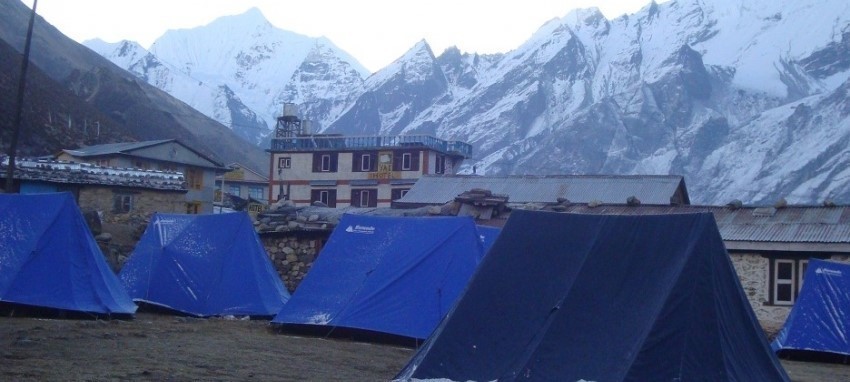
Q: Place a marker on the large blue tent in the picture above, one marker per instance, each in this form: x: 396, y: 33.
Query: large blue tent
x: 49, y: 259
x: 397, y: 276
x: 204, y: 265
x: 569, y: 297
x: 819, y: 322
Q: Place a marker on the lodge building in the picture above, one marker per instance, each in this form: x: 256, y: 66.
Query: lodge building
x: 357, y: 171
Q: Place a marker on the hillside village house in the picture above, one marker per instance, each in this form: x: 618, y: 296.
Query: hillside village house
x: 162, y: 155
x: 243, y: 183
x: 116, y: 194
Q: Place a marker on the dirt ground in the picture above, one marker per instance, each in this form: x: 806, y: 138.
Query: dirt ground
x: 157, y: 347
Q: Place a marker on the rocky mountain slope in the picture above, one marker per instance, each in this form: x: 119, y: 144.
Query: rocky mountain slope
x: 132, y: 108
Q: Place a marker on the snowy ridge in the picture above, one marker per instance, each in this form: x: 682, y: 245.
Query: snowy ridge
x: 747, y: 99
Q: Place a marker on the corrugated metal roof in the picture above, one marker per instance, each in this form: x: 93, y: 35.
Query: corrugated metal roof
x: 113, y: 148
x: 649, y: 189
x: 791, y: 224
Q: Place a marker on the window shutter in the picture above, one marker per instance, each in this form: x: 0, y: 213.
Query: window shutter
x: 317, y: 162
x: 414, y: 157
x: 357, y: 162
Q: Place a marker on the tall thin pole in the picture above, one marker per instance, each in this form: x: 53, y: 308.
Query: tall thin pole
x: 13, y: 145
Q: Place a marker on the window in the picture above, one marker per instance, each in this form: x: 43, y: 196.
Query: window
x: 284, y: 162
x: 364, y: 198
x: 366, y: 162
x: 122, y: 203
x: 786, y: 280
x: 440, y: 166
x: 233, y: 189
x: 256, y: 192
x: 102, y: 162
x: 194, y: 178
x: 193, y: 207
x: 406, y: 161
x: 325, y: 162
x: 398, y: 193
x: 328, y: 197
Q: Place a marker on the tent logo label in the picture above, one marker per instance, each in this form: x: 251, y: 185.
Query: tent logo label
x: 828, y: 272
x: 360, y: 229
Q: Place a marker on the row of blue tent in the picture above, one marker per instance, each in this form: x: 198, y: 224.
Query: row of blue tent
x: 557, y: 296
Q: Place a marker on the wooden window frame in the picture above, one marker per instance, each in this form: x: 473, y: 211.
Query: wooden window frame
x: 365, y: 163
x: 406, y: 161
x: 122, y: 203
x: 284, y: 162
x: 776, y: 281
x: 253, y: 192
x: 194, y: 178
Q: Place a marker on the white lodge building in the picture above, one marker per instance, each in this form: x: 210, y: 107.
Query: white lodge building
x: 364, y: 171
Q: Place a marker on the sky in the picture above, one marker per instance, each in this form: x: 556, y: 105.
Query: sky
x: 375, y: 32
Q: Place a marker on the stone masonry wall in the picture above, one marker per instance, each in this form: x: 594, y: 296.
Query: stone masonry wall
x: 121, y: 231
x: 145, y: 203
x: 753, y: 271
x: 292, y: 256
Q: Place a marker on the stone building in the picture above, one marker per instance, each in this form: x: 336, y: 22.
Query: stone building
x: 169, y: 155
x: 117, y: 202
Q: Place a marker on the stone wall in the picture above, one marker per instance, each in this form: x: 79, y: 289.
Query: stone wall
x: 145, y: 203
x: 121, y: 231
x: 292, y: 254
x: 754, y: 272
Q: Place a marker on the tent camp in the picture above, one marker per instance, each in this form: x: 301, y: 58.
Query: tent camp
x: 569, y: 297
x: 819, y: 322
x: 204, y: 265
x: 388, y: 276
x: 49, y: 259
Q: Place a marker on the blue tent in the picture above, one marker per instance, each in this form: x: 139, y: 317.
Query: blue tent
x: 49, y: 259
x: 386, y: 275
x: 820, y: 319
x: 569, y: 297
x: 204, y: 265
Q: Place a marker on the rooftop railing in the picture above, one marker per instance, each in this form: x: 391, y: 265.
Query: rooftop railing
x: 339, y: 142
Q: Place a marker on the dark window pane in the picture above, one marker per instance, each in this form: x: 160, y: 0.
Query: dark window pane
x: 784, y: 271
x: 783, y: 292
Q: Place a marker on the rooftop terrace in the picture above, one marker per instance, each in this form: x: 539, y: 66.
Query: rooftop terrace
x: 339, y: 142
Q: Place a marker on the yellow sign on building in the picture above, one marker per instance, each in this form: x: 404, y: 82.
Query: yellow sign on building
x: 385, y: 167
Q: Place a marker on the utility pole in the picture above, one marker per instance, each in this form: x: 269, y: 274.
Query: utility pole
x: 13, y: 145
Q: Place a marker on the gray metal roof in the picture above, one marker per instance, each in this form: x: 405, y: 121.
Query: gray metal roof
x: 113, y: 148
x: 130, y: 148
x: 790, y: 224
x: 649, y: 189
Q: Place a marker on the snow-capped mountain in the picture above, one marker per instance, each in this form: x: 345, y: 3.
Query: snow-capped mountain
x: 748, y: 99
x: 239, y: 70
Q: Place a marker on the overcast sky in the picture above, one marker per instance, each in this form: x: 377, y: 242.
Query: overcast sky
x: 375, y: 32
